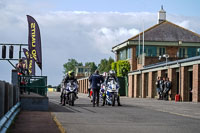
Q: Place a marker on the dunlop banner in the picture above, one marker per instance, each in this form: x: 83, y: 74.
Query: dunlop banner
x: 34, y: 41
x: 30, y: 62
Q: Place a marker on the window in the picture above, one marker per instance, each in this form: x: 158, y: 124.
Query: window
x: 80, y: 70
x: 182, y: 52
x: 122, y: 54
x: 149, y: 50
x: 129, y: 53
x: 161, y: 51
x: 125, y: 54
x: 198, y: 51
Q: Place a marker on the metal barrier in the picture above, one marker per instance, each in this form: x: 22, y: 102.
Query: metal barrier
x: 7, y: 119
x: 36, y: 84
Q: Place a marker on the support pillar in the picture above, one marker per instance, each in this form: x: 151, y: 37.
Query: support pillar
x: 196, y: 83
x: 184, y: 84
x: 136, y: 86
x: 173, y: 79
x: 143, y: 86
x: 150, y: 85
x: 131, y: 86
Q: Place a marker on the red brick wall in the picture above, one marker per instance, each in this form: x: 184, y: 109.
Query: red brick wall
x: 196, y: 83
x: 150, y: 85
x: 172, y: 77
x: 184, y: 84
x: 143, y: 86
x: 134, y: 58
x: 154, y: 78
x: 131, y: 86
x: 136, y: 86
x: 171, y: 51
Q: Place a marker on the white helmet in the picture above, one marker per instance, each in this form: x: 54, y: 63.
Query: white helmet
x: 112, y: 73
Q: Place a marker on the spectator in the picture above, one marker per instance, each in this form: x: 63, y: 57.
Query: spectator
x: 158, y: 86
x: 96, y: 81
x: 21, y: 72
x: 167, y: 88
x: 89, y: 88
x: 161, y: 83
x: 20, y: 67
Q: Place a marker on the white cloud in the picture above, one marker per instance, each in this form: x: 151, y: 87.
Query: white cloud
x: 85, y: 36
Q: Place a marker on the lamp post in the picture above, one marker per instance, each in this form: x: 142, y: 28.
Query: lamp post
x: 166, y: 56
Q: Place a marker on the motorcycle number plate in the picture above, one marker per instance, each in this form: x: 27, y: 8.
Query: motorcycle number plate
x: 113, y: 89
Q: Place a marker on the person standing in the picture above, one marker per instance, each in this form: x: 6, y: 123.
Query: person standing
x: 167, y: 88
x: 158, y: 86
x: 161, y: 83
x: 20, y: 67
x: 96, y: 81
x: 90, y: 86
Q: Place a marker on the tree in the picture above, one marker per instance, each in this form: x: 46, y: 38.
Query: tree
x: 92, y: 65
x: 49, y: 86
x: 70, y: 65
x: 122, y: 67
x: 105, y: 65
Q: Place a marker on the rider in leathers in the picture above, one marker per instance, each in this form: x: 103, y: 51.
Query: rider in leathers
x: 112, y: 76
x: 69, y: 77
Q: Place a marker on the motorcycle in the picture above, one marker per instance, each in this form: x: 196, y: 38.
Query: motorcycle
x: 70, y: 93
x: 112, y: 93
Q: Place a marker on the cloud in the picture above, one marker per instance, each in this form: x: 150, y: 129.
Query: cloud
x: 85, y: 36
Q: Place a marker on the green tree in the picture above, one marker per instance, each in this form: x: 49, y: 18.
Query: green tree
x: 122, y: 67
x: 92, y: 65
x: 49, y: 86
x: 105, y: 65
x: 70, y: 65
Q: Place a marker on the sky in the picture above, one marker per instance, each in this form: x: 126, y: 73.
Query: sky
x: 85, y: 30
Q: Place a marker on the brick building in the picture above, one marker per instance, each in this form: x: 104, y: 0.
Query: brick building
x: 184, y: 74
x: 172, y: 42
x: 160, y: 39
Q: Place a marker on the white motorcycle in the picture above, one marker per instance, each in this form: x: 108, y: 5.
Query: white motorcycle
x: 70, y: 93
x: 112, y: 93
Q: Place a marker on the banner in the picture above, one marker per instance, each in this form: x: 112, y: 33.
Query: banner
x: 34, y: 41
x: 30, y: 62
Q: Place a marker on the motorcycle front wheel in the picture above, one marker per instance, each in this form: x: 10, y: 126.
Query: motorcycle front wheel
x: 113, y: 99
x: 71, y: 99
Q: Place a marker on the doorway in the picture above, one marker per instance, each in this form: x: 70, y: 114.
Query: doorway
x: 190, y: 84
x: 177, y: 82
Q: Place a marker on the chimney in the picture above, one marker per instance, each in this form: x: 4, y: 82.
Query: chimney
x: 161, y: 15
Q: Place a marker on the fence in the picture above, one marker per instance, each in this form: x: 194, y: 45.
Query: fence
x: 36, y: 84
x: 84, y: 85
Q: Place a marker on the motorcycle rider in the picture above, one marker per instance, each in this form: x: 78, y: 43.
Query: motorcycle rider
x: 69, y: 77
x: 112, y: 76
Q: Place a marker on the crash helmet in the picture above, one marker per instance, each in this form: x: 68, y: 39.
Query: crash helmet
x: 71, y: 74
x: 112, y: 73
